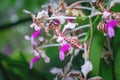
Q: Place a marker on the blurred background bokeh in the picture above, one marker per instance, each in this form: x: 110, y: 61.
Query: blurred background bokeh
x: 15, y: 51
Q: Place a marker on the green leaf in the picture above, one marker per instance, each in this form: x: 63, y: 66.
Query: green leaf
x: 87, y: 36
x: 95, y: 51
x: 14, y: 69
x: 1, y: 75
x: 116, y: 40
x: 116, y: 53
x: 106, y: 70
x: 117, y: 64
x: 116, y: 8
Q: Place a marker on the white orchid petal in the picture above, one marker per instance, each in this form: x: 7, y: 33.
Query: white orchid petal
x: 62, y: 20
x: 32, y: 25
x: 41, y: 13
x: 41, y: 38
x: 59, y: 39
x: 37, y: 28
x: 36, y: 53
x: 70, y: 26
x: 86, y: 68
x: 47, y: 59
x: 106, y: 14
x: 27, y: 37
x: 56, y: 70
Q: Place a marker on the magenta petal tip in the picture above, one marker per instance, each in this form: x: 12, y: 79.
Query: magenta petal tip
x: 111, y: 32
x: 63, y: 50
x: 70, y: 20
x: 35, y: 59
x: 36, y: 33
x: 112, y: 23
x: 61, y: 55
x: 57, y: 21
x: 110, y: 27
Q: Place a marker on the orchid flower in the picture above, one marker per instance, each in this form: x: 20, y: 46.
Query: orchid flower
x: 39, y: 53
x: 34, y: 35
x: 110, y: 20
x: 110, y: 27
x: 64, y: 49
x: 38, y: 21
x: 108, y: 24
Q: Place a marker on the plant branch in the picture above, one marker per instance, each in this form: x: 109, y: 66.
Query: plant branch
x: 6, y: 26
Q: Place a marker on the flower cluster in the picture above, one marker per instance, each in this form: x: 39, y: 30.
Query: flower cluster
x: 62, y: 25
x: 110, y: 20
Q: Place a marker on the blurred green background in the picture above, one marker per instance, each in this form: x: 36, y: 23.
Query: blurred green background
x: 15, y: 51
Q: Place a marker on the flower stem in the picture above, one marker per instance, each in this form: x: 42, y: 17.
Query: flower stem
x: 109, y: 48
x: 67, y: 67
x: 85, y: 49
x: 49, y: 45
x: 82, y: 7
x: 91, y: 30
x: 58, y: 17
x: 80, y: 27
x: 82, y: 34
x: 78, y: 2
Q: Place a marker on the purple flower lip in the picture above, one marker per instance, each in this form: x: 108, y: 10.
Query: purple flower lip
x: 111, y: 32
x: 34, y: 35
x: 57, y: 21
x: 64, y: 49
x: 70, y: 20
x: 111, y: 23
x: 35, y: 59
x: 61, y: 55
x: 110, y: 27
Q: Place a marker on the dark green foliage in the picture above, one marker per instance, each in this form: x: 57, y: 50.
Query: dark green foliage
x: 96, y: 51
x: 17, y: 69
x: 106, y: 70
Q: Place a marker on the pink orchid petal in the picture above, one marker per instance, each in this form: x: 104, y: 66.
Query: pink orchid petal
x: 35, y: 59
x: 62, y: 55
x: 111, y: 32
x: 65, y: 47
x: 69, y: 20
x: 34, y: 35
x: 32, y: 41
x: 112, y: 23
x: 110, y: 27
x: 57, y: 21
x: 63, y: 50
